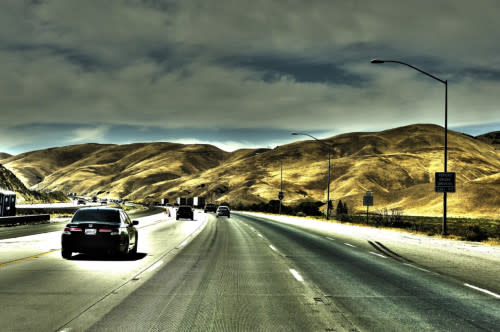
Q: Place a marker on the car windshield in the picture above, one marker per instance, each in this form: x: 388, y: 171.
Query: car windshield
x: 112, y: 216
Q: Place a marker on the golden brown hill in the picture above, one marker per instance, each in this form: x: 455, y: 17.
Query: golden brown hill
x: 4, y: 155
x: 8, y: 181
x: 492, y: 138
x: 397, y: 165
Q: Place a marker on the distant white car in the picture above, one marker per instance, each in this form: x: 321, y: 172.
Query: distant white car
x: 223, y: 211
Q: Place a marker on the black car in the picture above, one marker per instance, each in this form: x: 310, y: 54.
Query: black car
x: 81, y: 201
x: 99, y: 230
x: 184, y: 211
x: 210, y: 208
x: 223, y: 211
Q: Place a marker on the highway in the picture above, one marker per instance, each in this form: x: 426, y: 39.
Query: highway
x: 245, y: 273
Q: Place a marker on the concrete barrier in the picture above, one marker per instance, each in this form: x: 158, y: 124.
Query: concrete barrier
x: 14, y: 220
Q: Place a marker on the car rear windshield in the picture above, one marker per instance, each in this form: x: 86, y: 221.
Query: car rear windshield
x: 112, y: 216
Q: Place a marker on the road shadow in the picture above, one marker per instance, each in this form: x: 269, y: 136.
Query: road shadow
x: 108, y: 257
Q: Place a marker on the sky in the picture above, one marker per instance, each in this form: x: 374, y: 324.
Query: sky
x: 241, y: 74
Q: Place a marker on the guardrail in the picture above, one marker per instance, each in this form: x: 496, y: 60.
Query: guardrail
x: 14, y: 220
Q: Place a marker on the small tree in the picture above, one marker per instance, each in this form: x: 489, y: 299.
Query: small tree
x: 344, y: 209
x: 340, y: 208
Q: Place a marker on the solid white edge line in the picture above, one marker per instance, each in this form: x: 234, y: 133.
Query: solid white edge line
x: 377, y: 254
x: 296, y: 275
x: 350, y: 245
x: 483, y: 290
x: 272, y: 247
x: 155, y: 266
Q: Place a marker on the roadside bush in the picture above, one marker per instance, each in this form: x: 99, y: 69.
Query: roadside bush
x: 475, y: 233
x: 301, y: 214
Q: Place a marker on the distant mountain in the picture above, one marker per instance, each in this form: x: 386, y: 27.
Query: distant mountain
x: 492, y: 138
x: 4, y: 155
x: 396, y: 165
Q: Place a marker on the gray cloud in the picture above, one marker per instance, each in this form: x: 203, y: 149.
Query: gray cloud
x: 278, y: 65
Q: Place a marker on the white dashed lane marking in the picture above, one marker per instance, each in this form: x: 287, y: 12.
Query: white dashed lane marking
x: 483, y: 290
x: 350, y: 245
x: 296, y: 275
x: 416, y: 267
x: 376, y: 254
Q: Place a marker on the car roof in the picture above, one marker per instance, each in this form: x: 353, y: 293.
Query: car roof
x: 101, y: 208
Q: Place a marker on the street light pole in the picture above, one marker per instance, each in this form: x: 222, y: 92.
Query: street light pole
x: 281, y: 183
x: 328, y: 188
x: 445, y: 82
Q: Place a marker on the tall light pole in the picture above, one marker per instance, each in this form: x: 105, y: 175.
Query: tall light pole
x: 445, y: 82
x: 280, y: 195
x: 328, y: 189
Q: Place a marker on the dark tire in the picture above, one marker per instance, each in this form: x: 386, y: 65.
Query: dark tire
x: 133, y: 252
x: 125, y: 252
x: 66, y: 254
x: 177, y: 218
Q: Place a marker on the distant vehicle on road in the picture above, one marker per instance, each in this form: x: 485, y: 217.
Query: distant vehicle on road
x: 81, y: 201
x: 209, y: 207
x: 100, y: 230
x: 104, y: 201
x: 223, y: 211
x: 185, y: 211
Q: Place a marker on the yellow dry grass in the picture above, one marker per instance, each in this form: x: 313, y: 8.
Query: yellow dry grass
x: 397, y: 165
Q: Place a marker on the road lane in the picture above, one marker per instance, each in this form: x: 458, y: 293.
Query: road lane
x: 242, y: 274
x: 45, y: 292
x: 377, y: 293
x: 227, y: 279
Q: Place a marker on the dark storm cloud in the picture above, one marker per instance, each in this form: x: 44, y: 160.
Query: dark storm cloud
x: 221, y: 71
x: 75, y: 56
x: 273, y: 68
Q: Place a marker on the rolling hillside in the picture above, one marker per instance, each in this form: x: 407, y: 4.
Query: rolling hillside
x: 397, y: 165
x: 8, y: 181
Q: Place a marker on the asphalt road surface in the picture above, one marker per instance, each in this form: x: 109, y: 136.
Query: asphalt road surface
x: 240, y: 274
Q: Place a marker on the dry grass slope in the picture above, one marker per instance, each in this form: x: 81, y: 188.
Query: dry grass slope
x: 397, y: 165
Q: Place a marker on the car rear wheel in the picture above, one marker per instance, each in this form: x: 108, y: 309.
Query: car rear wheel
x: 66, y: 254
x: 134, y: 249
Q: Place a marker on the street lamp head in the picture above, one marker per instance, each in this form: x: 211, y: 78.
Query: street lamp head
x: 377, y: 61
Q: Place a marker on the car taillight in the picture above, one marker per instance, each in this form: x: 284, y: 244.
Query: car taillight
x: 111, y: 231
x: 68, y: 230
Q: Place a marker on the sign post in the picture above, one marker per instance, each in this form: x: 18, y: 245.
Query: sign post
x: 367, y: 201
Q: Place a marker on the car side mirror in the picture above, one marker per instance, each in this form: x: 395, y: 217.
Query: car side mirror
x: 135, y: 222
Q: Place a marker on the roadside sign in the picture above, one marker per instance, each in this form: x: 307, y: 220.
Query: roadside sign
x: 281, y: 196
x: 444, y: 182
x: 368, y: 199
